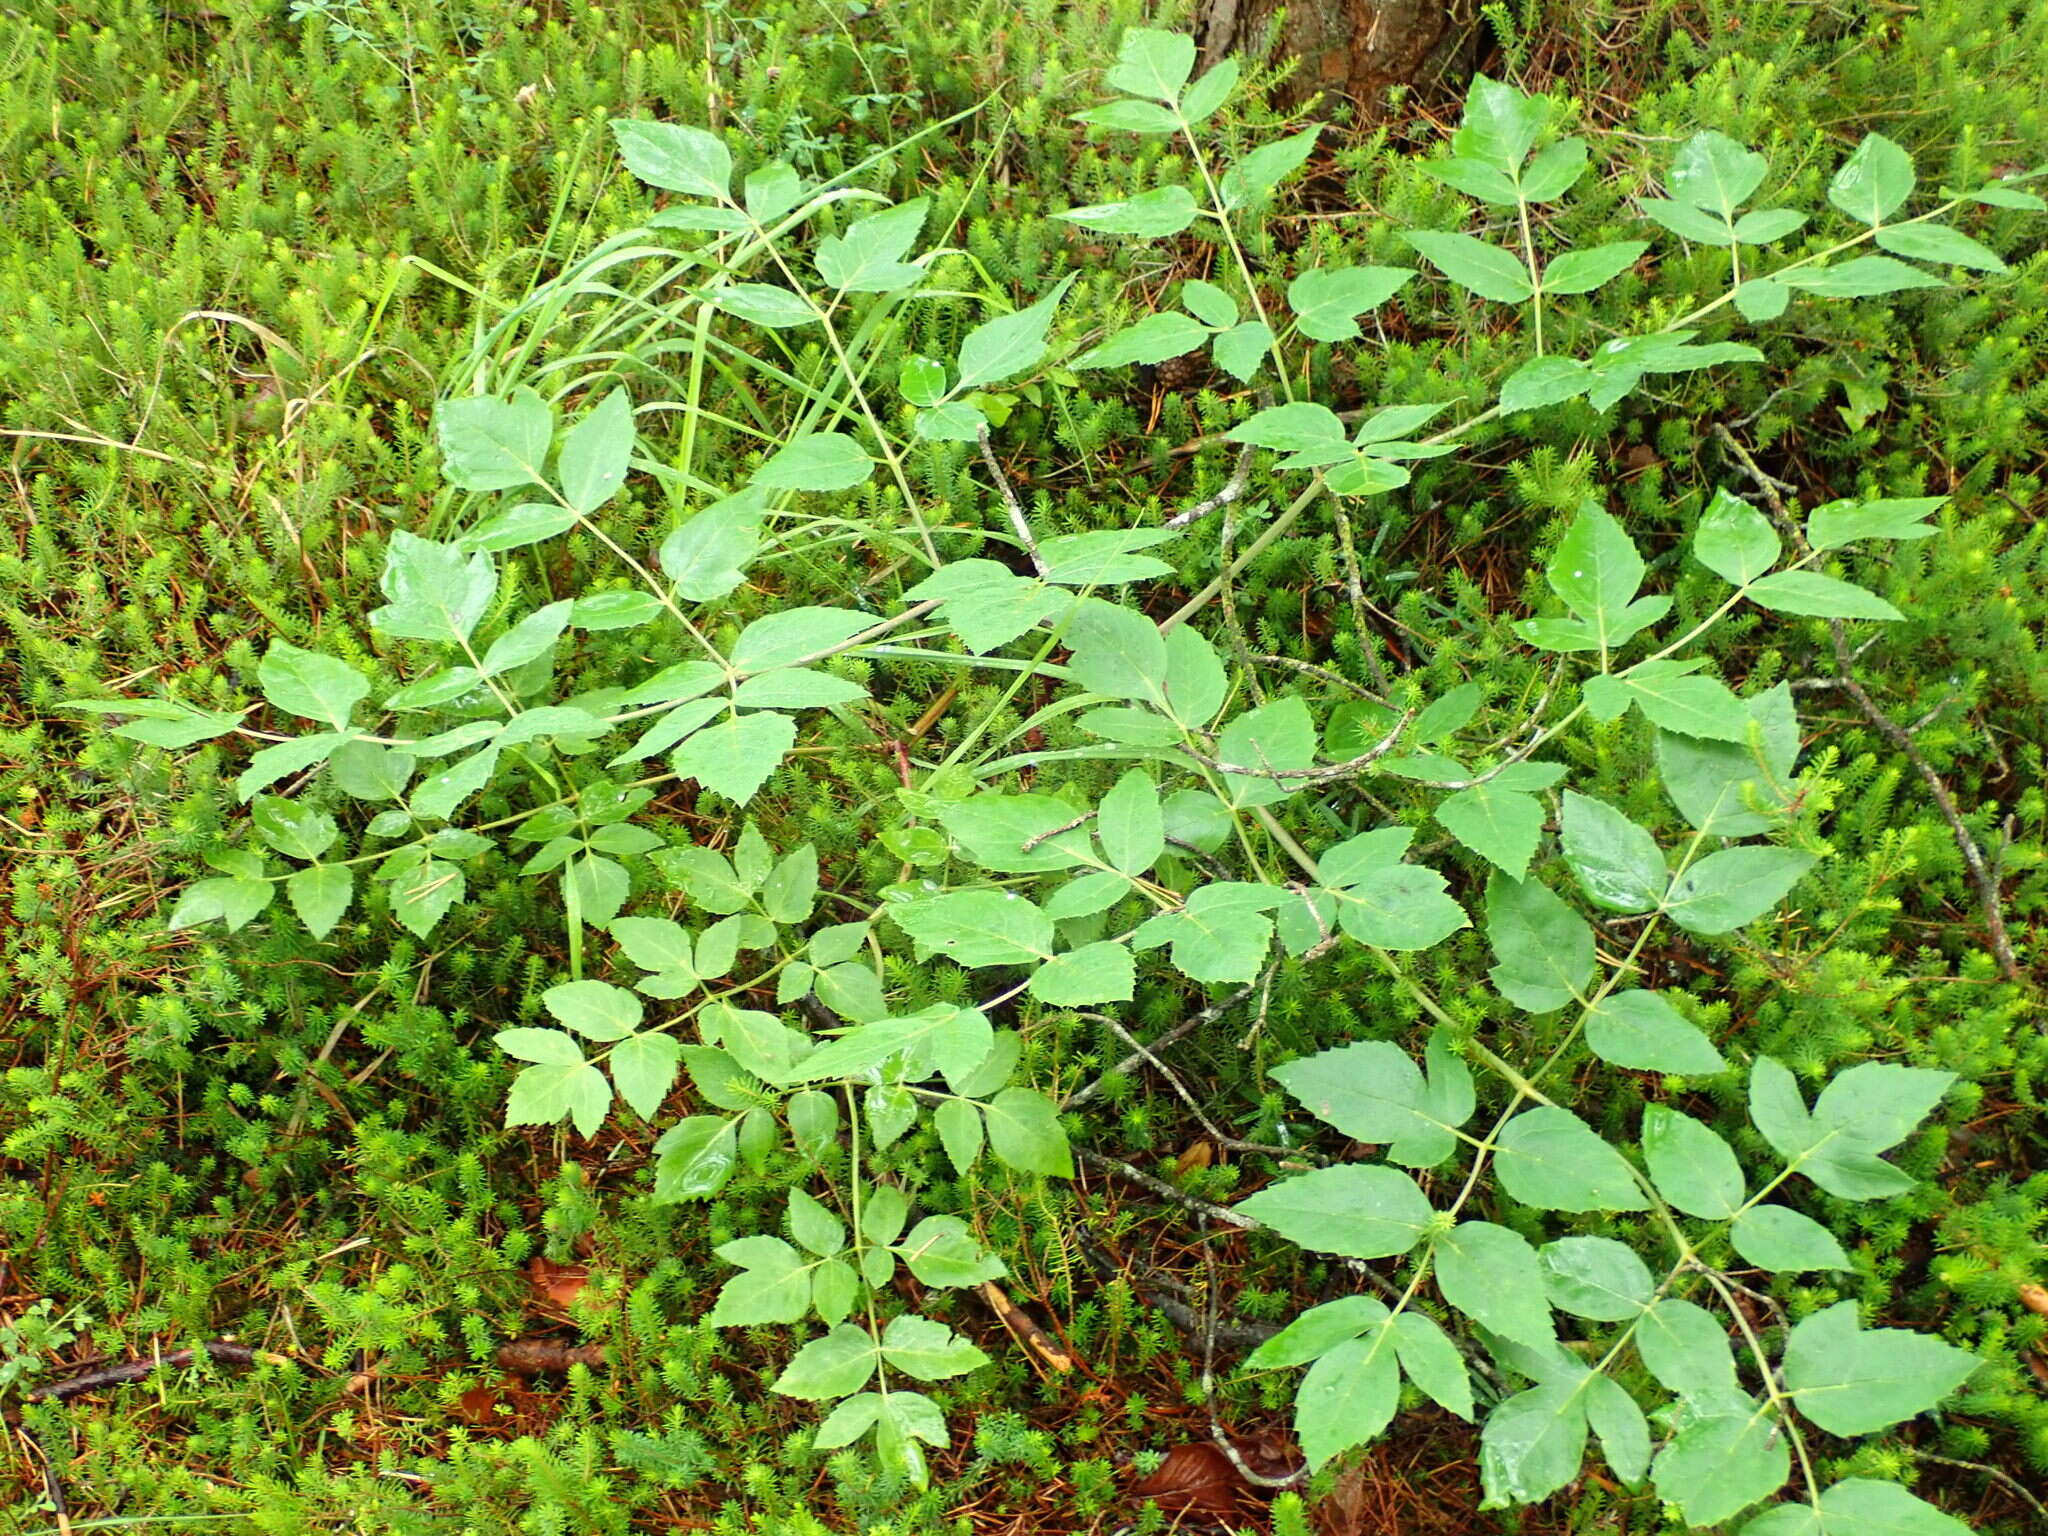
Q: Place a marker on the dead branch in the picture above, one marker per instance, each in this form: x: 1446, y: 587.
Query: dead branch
x: 226, y: 1352
x: 1973, y: 858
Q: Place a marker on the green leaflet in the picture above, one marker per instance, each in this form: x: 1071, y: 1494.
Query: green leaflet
x: 869, y: 257
x: 940, y: 1250
x: 1501, y: 825
x: 1544, y: 381
x: 1348, y: 1396
x: 1711, y: 177
x: 675, y: 156
x: 1873, y: 181
x: 561, y: 1083
x: 1317, y: 1331
x: 1153, y: 63
x: 1353, y: 1209
x: 1583, y: 271
x: 1618, y: 864
x: 707, y: 556
x: 1162, y: 211
x: 832, y: 1366
x: 1671, y: 697
x: 1222, y: 932
x: 1734, y: 540
x: 1595, y: 1277
x: 1844, y: 522
x: 595, y: 453
x: 1533, y: 1444
x: 1486, y: 270
x: 1102, y: 972
x: 734, y: 756
x: 493, y: 444
x: 976, y: 928
x: 774, y: 1285
x: 1006, y: 346
x: 1024, y: 1131
x: 1369, y: 1090
x: 1732, y: 787
x: 310, y: 685
x: 1864, y: 1111
x: 927, y: 1351
x: 1857, y: 1507
x: 1399, y: 907
x: 1130, y: 824
x: 1551, y: 1159
x: 1543, y: 949
x: 819, y: 461
x: 1493, y: 1276
x: 1686, y: 1348
x: 1430, y: 1360
x: 1692, y: 1167
x: 320, y: 896
x: 1644, y: 1032
x: 1852, y: 1381
x: 436, y: 592
x: 1619, y: 1423
x: 1720, y: 1464
x: 1725, y: 890
x: 1772, y: 1237
x: 1596, y: 571
x: 1372, y: 1092
x: 1326, y: 301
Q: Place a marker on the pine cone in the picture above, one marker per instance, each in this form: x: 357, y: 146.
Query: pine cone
x: 1188, y: 371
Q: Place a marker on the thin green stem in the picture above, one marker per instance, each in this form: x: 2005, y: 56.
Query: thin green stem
x: 1221, y: 214
x: 1806, y: 261
x: 1529, y: 256
x: 860, y: 398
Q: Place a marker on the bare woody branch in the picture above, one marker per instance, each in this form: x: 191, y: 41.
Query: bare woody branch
x: 1981, y: 877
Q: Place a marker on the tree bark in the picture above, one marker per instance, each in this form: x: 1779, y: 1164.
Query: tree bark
x: 1357, y: 49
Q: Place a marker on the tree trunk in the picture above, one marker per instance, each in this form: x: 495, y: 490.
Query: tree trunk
x: 1351, y: 48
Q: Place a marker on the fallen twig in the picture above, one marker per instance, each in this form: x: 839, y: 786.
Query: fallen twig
x: 1010, y: 503
x: 223, y: 1350
x: 1213, y: 1212
x: 1233, y: 488
x: 1223, y: 1441
x: 1354, y: 588
x: 1973, y: 857
x: 53, y: 1486
x: 1185, y: 1027
x: 1319, y: 775
x: 2003, y: 1478
x: 541, y: 1357
x: 1220, y: 1137
x: 1324, y: 674
x: 1025, y: 1329
x: 1155, y: 1291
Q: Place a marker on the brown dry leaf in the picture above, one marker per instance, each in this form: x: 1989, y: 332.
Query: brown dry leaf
x: 1194, y: 1479
x: 1639, y: 458
x: 1346, y: 1510
x: 557, y: 1284
x: 533, y: 1357
x: 2035, y: 1299
x: 508, y: 1406
x: 478, y: 1405
x: 1270, y: 1452
x: 1200, y: 1155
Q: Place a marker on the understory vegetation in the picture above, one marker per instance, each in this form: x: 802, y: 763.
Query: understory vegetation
x: 899, y: 769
